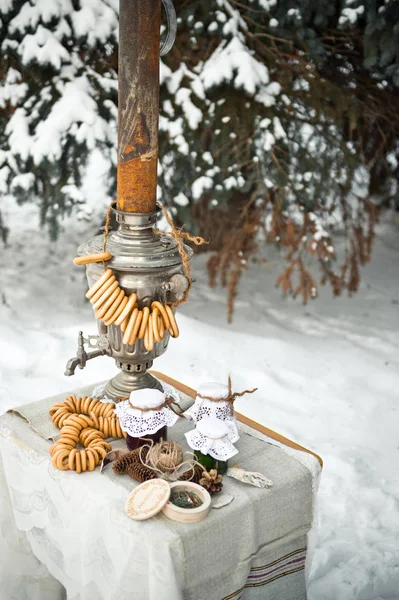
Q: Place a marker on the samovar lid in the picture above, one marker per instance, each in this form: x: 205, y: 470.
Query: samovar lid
x: 135, y: 246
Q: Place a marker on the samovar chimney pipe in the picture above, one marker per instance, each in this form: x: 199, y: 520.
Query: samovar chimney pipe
x: 138, y: 105
x: 145, y: 265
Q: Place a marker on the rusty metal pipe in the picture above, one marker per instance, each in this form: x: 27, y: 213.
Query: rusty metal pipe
x: 138, y: 104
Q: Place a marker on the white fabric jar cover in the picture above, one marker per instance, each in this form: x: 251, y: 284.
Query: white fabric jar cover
x: 209, y: 408
x: 214, y: 437
x: 138, y: 422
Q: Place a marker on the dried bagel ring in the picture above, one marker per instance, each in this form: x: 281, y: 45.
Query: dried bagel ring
x: 74, y: 421
x: 92, y: 460
x: 70, y: 404
x: 83, y: 460
x: 105, y: 286
x: 127, y: 310
x: 93, y: 406
x: 154, y: 323
x: 94, y: 418
x: 55, y: 407
x: 149, y: 337
x: 85, y: 405
x: 161, y: 326
x: 102, y: 409
x: 78, y: 404
x: 71, y: 459
x: 62, y: 419
x: 113, y: 428
x: 174, y: 330
x: 144, y: 321
x: 104, y: 308
x: 89, y: 422
x: 110, y: 409
x: 101, y: 451
x: 92, y: 258
x: 78, y: 464
x: 67, y: 439
x: 96, y: 286
x: 163, y: 312
x: 71, y: 430
x: 130, y: 325
x: 105, y: 295
x: 60, y: 460
x: 112, y: 307
x: 146, y: 338
x: 116, y: 314
x: 60, y: 446
x: 136, y: 328
x: 58, y: 414
x: 91, y: 438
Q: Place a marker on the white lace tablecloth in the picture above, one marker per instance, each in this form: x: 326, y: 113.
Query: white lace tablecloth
x: 64, y: 535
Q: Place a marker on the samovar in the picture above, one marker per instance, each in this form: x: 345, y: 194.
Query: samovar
x: 142, y: 261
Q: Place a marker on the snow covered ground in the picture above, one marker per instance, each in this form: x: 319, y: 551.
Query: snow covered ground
x: 327, y: 373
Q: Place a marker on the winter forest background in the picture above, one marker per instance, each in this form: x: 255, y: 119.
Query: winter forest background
x: 279, y: 129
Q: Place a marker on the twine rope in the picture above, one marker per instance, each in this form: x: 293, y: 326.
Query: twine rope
x: 166, y: 458
x: 168, y: 402
x: 230, y: 398
x: 178, y: 235
x: 106, y: 229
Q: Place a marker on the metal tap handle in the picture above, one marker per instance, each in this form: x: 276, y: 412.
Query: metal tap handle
x: 172, y: 27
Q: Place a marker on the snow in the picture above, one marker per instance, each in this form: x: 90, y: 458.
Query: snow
x: 327, y: 373
x: 232, y: 62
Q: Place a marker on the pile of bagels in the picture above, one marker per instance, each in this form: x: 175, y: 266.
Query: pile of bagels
x: 114, y: 307
x: 84, y: 422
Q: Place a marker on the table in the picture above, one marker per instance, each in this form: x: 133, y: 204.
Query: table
x: 65, y: 535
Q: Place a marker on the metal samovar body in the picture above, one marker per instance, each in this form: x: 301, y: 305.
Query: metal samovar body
x: 149, y: 265
x: 143, y: 262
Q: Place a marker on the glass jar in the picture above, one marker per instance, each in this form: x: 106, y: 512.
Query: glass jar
x: 209, y: 462
x: 135, y: 442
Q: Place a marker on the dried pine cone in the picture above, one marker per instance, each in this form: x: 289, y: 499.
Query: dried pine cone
x: 139, y: 472
x: 211, y: 481
x: 121, y: 464
x: 190, y: 476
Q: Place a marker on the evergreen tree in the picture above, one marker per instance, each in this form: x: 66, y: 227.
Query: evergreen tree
x: 277, y: 121
x: 57, y: 98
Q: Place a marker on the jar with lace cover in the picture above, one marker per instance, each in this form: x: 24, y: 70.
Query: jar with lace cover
x: 213, y: 442
x: 145, y: 416
x: 211, y: 401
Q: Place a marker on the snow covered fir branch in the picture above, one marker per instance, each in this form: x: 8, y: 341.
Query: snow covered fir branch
x: 278, y: 125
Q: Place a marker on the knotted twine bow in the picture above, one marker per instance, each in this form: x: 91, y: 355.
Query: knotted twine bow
x: 229, y: 398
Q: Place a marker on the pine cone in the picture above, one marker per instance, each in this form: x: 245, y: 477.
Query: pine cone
x: 120, y: 465
x: 190, y: 476
x: 211, y: 481
x: 139, y: 472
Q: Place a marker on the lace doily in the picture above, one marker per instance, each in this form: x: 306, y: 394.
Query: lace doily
x: 207, y: 408
x: 139, y: 423
x: 214, y: 437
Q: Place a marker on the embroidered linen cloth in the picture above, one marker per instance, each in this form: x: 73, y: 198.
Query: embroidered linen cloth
x: 64, y: 535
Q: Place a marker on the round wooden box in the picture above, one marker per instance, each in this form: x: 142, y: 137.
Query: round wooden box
x: 188, y: 515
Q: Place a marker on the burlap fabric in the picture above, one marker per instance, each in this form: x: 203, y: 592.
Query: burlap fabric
x: 79, y: 535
